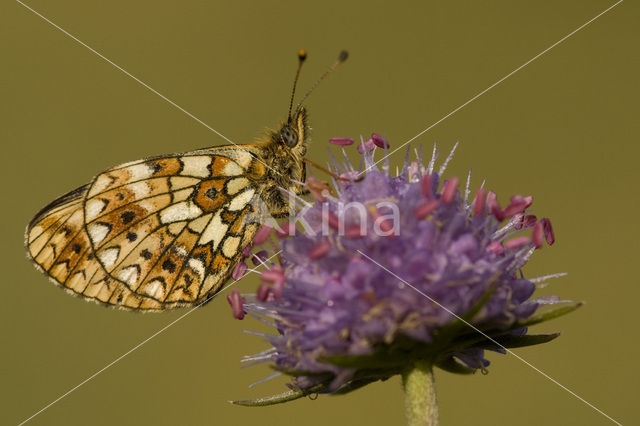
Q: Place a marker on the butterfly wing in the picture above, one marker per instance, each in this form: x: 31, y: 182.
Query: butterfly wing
x: 152, y: 234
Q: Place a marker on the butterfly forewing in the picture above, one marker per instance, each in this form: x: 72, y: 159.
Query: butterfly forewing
x: 152, y: 234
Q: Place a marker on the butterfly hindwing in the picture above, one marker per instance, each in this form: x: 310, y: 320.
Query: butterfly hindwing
x: 151, y: 234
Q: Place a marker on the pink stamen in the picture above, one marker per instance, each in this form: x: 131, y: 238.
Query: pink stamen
x: 449, y: 190
x: 286, y: 230
x: 537, y: 235
x: 386, y: 226
x: 320, y: 250
x: 548, y: 230
x: 353, y: 232
x: 478, y: 202
x: 262, y: 235
x: 518, y: 205
x: 333, y: 220
x: 496, y: 247
x: 379, y: 141
x: 259, y: 257
x: 278, y: 288
x: 273, y: 275
x: 516, y: 242
x: 263, y: 292
x: 528, y: 200
x: 494, y: 206
x: 425, y: 209
x: 236, y: 301
x: 318, y: 189
x: 530, y: 220
x: 341, y: 141
x: 526, y: 221
x: 367, y: 146
x: 247, y: 251
x: 520, y: 223
x: 239, y: 270
x: 426, y: 185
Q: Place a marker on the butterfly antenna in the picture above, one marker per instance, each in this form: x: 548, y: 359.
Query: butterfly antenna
x: 302, y: 55
x: 341, y: 58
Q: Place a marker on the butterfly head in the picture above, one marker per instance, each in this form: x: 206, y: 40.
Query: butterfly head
x: 294, y: 133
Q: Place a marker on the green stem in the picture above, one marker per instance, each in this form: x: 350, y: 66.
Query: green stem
x: 420, y: 395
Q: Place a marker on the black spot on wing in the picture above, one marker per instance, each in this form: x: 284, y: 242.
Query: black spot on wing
x: 169, y: 265
x: 127, y: 216
x: 157, y: 167
x: 211, y: 193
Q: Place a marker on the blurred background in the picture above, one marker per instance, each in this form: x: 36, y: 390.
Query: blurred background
x: 564, y: 129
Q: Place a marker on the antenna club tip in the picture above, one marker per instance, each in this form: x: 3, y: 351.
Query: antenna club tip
x: 343, y: 56
x: 302, y: 55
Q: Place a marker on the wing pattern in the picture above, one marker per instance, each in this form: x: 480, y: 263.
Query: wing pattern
x: 152, y: 234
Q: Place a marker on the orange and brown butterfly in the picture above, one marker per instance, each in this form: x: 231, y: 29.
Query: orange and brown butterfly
x: 166, y: 231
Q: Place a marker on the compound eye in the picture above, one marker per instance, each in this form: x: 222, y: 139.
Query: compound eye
x: 289, y: 136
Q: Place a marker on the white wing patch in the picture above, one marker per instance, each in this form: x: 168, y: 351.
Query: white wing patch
x: 97, y: 232
x: 232, y: 169
x: 140, y: 189
x: 196, y: 166
x: 235, y: 185
x: 155, y: 289
x: 214, y: 232
x: 102, y: 182
x: 94, y: 207
x: 230, y: 246
x: 241, y: 200
x: 184, y: 210
x: 197, y: 266
x: 129, y: 274
x: 109, y: 256
x: 243, y: 158
x: 139, y: 172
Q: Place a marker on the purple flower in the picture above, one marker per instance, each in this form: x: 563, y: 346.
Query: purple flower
x: 392, y: 269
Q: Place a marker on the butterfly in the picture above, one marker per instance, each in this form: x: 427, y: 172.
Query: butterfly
x: 167, y: 231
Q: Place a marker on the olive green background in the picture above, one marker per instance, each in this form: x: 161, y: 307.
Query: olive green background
x: 564, y: 128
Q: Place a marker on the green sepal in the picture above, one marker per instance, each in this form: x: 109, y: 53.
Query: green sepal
x: 549, y: 314
x: 290, y: 395
x: 364, y: 377
x: 525, y: 340
x: 354, y: 385
x: 475, y: 339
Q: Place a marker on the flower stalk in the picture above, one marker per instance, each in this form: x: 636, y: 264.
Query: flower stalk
x: 420, y: 395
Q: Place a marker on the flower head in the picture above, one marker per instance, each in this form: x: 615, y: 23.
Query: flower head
x: 393, y: 269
